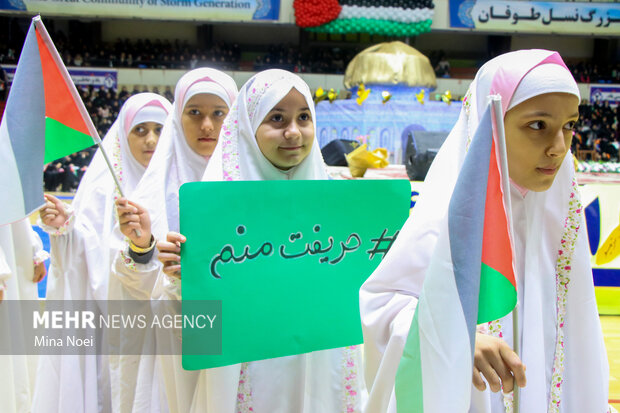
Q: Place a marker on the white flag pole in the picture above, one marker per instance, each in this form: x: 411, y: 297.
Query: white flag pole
x: 496, y: 101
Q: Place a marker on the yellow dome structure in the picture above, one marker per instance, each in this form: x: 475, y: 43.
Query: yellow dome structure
x: 390, y: 63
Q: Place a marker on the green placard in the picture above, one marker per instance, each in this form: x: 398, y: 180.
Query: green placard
x: 286, y: 259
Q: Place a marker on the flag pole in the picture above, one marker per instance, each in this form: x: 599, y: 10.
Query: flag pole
x: 38, y: 23
x: 503, y: 161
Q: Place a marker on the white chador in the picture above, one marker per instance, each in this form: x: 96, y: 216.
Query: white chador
x: 173, y: 164
x: 20, y: 250
x: 560, y: 334
x: 307, y: 383
x: 326, y: 381
x: 82, y: 252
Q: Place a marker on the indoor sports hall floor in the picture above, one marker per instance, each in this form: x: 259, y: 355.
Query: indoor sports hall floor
x: 611, y: 331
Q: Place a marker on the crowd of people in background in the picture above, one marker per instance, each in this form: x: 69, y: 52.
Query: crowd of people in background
x: 585, y: 72
x: 166, y: 54
x: 177, y: 54
x: 65, y: 174
x: 597, y: 129
x: 332, y: 60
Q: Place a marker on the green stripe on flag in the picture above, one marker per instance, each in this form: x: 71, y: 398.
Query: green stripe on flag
x: 408, y: 387
x: 497, y: 295
x: 61, y: 140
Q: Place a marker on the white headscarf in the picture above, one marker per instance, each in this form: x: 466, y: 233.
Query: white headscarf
x: 94, y: 201
x: 174, y: 161
x: 143, y: 107
x: 389, y: 297
x: 237, y: 156
x: 146, y: 114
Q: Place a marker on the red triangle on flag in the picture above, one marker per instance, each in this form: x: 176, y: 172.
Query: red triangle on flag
x: 59, y: 103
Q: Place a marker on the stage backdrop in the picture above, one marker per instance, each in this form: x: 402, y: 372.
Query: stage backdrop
x: 386, y: 124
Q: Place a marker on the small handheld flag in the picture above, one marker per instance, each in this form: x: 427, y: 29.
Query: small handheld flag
x: 470, y: 280
x: 44, y: 119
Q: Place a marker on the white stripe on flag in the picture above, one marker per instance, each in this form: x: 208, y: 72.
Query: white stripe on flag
x: 445, y: 348
x: 444, y: 326
x: 444, y: 359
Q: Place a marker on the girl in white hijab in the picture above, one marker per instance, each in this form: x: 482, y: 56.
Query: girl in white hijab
x: 21, y: 267
x: 84, y: 241
x: 560, y: 334
x: 269, y: 134
x: 29, y: 255
x: 202, y: 101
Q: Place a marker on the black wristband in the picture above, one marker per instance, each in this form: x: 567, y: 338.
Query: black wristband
x: 143, y: 258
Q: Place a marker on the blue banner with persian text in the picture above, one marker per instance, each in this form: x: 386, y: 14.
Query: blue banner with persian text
x: 204, y: 10
x: 96, y: 78
x: 534, y: 16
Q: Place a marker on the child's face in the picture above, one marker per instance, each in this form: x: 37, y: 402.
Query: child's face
x: 286, y: 134
x: 538, y: 136
x: 142, y: 140
x: 202, y: 120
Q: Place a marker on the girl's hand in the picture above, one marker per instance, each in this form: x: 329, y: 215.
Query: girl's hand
x: 498, y: 363
x: 170, y: 253
x: 134, y: 222
x: 53, y: 213
x: 39, y: 272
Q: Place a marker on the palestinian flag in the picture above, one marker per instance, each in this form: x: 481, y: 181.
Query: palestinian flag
x: 44, y: 119
x: 470, y: 281
x: 382, y: 17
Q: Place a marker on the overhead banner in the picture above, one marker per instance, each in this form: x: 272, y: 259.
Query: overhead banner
x: 204, y: 10
x: 610, y: 94
x: 286, y: 259
x: 536, y: 17
x: 97, y: 78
